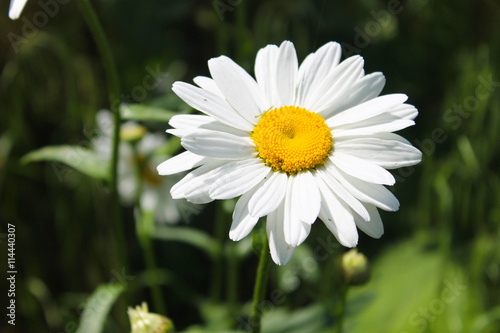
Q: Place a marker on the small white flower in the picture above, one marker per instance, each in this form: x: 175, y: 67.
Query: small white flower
x: 143, y: 321
x: 154, y: 188
x: 15, y: 9
x: 297, y: 143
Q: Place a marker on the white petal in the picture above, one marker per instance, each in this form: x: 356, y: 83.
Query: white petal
x: 194, y: 186
x: 306, y: 198
x: 269, y: 196
x: 366, y: 110
x: 313, y: 71
x: 210, y: 104
x: 238, y: 179
x: 295, y: 230
x: 381, y: 136
x: 368, y: 87
x: 305, y: 229
x: 337, y: 217
x: 182, y: 162
x: 362, y: 169
x: 104, y: 120
x: 243, y: 222
x: 374, y: 194
x: 281, y: 252
x: 127, y: 186
x: 208, y: 84
x: 405, y: 111
x: 287, y: 72
x: 238, y: 87
x: 150, y: 143
x: 342, y: 193
x: 15, y: 9
x: 365, y: 89
x: 337, y: 84
x: 392, y: 136
x: 180, y: 133
x: 389, y: 154
x: 149, y: 199
x: 219, y: 145
x: 189, y: 121
x: 379, y: 124
x: 265, y: 73
x: 373, y: 228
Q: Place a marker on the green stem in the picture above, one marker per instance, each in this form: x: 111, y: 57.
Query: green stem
x: 154, y: 279
x: 109, y: 65
x: 114, y: 90
x: 260, y: 286
x: 232, y: 279
x: 220, y: 232
x: 341, y: 307
x: 145, y: 228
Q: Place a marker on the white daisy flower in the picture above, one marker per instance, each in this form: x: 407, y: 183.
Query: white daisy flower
x: 16, y: 8
x: 153, y: 186
x: 297, y: 143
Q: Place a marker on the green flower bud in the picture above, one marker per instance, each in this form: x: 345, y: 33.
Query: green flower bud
x: 355, y: 268
x: 132, y: 132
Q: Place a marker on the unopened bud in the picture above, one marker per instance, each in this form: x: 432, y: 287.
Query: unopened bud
x: 142, y: 321
x: 355, y: 268
x: 132, y: 132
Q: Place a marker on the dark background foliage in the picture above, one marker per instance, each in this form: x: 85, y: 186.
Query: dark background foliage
x: 444, y: 54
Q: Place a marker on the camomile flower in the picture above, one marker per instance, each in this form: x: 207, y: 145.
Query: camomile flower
x: 296, y: 143
x: 16, y: 8
x: 153, y: 188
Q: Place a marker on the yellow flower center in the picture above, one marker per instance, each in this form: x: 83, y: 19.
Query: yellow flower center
x: 291, y: 139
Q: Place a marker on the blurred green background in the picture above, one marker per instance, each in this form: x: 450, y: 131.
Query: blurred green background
x: 436, y: 269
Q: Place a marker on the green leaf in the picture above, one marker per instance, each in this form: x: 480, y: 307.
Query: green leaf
x: 97, y: 307
x: 190, y: 236
x: 143, y: 112
x: 82, y: 159
x: 406, y: 279
x: 279, y: 320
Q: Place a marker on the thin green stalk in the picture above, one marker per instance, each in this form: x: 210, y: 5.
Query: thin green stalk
x: 216, y: 279
x: 109, y: 65
x: 153, y: 277
x: 341, y: 307
x: 232, y: 279
x: 145, y: 227
x: 260, y: 286
x: 114, y: 90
